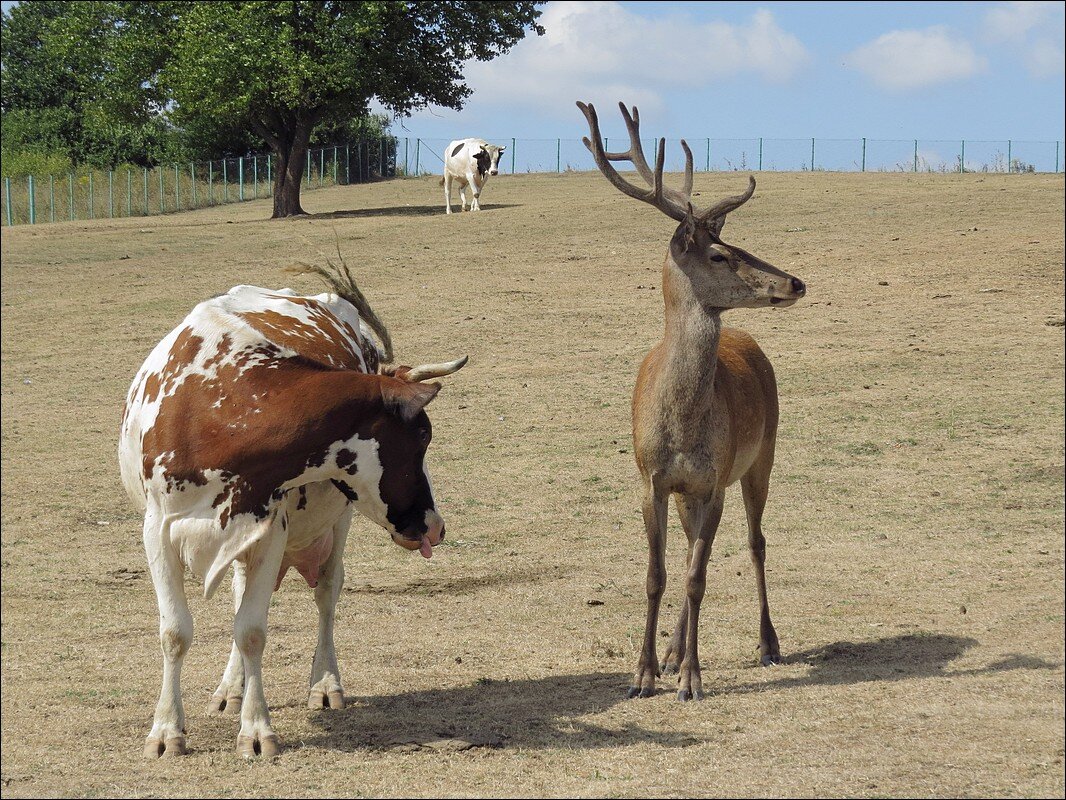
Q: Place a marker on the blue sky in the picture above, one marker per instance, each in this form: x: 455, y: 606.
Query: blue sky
x: 927, y: 70
x: 930, y: 70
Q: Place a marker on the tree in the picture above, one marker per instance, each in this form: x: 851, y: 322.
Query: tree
x: 282, y: 68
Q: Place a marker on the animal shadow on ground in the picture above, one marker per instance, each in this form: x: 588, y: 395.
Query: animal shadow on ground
x: 534, y: 712
x: 402, y: 211
x: 547, y: 712
x: 912, y: 655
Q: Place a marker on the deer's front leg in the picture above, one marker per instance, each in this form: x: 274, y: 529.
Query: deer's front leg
x: 325, y: 688
x: 701, y: 523
x: 655, y: 527
x: 675, y: 650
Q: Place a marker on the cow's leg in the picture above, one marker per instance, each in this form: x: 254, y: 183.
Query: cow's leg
x: 447, y: 192
x: 256, y: 736
x: 326, y: 690
x: 475, y: 190
x: 230, y: 691
x: 462, y: 194
x: 167, y: 737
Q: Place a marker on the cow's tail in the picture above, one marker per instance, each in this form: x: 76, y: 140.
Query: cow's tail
x: 339, y: 279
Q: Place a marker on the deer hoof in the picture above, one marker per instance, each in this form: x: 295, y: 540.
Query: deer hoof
x: 684, y: 695
x: 770, y: 659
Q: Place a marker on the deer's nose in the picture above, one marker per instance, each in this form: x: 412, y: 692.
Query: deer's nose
x: 799, y: 287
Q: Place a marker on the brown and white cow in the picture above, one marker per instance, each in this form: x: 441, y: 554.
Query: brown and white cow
x: 469, y: 162
x: 250, y: 435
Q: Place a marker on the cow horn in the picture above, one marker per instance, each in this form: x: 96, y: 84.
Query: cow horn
x: 426, y: 371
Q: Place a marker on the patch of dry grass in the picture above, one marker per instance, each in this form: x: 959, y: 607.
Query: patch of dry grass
x: 915, y: 521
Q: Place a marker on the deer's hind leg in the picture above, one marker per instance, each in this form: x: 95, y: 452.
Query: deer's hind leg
x: 756, y: 485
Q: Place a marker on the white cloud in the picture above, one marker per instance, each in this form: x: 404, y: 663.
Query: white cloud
x: 1034, y: 31
x: 603, y: 52
x: 906, y: 60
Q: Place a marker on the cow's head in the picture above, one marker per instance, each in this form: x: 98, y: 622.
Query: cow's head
x: 488, y: 158
x: 403, y: 434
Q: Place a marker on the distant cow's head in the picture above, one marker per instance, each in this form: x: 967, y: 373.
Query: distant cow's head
x: 488, y: 158
x: 403, y: 435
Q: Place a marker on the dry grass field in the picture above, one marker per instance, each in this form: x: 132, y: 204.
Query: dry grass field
x: 915, y: 521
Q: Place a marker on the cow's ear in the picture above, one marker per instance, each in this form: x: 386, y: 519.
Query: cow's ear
x: 406, y: 400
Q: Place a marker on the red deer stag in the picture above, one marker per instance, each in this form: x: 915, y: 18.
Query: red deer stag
x: 705, y: 404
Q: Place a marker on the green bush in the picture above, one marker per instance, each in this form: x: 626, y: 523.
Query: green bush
x: 20, y: 163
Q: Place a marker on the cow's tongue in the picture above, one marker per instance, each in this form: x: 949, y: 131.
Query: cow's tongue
x: 426, y: 548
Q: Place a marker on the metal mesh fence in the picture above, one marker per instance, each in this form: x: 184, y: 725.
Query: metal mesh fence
x: 131, y: 192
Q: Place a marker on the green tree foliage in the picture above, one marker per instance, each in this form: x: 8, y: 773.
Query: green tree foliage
x: 284, y: 68
x: 106, y: 76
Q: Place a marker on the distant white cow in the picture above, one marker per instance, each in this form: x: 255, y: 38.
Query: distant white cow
x: 469, y: 162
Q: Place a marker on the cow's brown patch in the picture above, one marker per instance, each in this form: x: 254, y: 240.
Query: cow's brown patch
x: 321, y: 340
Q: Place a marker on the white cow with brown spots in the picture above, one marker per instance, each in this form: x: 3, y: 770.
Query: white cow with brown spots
x: 469, y: 162
x: 250, y: 435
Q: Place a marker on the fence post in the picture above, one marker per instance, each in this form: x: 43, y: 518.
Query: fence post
x: 33, y: 204
x: 7, y: 200
x: 418, y: 160
x: 192, y: 178
x: 307, y: 178
x: 348, y: 163
x: 255, y: 177
x: 92, y: 204
x: 760, y: 154
x: 707, y: 164
x: 558, y: 154
x: 52, y: 198
x: 321, y: 165
x: 962, y: 157
x: 240, y: 177
x: 863, y: 154
x: 146, y: 191
x: 111, y: 193
x: 406, y: 168
x: 225, y: 181
x: 269, y: 157
x: 129, y: 193
x: 915, y: 155
x: 512, y: 155
x: 381, y: 155
x: 812, y: 154
x: 1008, y: 156
x: 335, y: 151
x: 210, y: 182
x: 70, y: 194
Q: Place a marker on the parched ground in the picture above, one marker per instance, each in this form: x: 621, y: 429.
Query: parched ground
x: 915, y: 521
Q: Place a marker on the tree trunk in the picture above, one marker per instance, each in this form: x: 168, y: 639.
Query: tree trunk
x: 292, y: 156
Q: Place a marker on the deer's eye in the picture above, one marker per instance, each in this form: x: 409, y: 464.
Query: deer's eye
x: 717, y: 257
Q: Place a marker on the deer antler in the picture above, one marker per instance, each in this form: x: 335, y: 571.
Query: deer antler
x: 675, y: 203
x: 671, y: 202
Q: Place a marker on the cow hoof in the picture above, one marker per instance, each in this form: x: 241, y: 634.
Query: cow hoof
x: 220, y: 704
x: 261, y: 747
x: 318, y: 700
x: 170, y: 748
